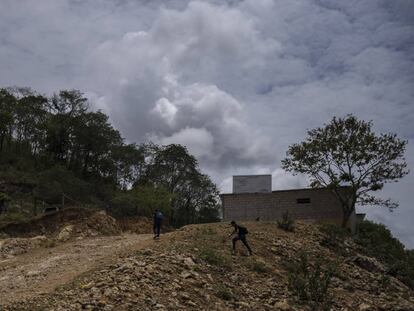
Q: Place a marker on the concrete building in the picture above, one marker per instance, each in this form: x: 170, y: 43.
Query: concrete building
x: 253, y: 199
x: 252, y: 183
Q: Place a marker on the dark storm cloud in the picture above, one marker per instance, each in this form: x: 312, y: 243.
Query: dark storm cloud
x: 235, y: 81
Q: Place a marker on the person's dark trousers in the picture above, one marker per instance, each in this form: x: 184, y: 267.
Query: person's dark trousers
x: 157, y: 228
x: 242, y: 238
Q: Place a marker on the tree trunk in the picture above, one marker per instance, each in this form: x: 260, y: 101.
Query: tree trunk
x: 347, y: 212
x: 345, y: 220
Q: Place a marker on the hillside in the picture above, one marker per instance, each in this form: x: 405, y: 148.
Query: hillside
x: 193, y: 269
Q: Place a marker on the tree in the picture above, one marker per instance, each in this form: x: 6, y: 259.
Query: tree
x: 346, y: 152
x: 66, y: 109
x: 130, y: 164
x: 50, y: 146
x: 4, y: 198
x: 195, y: 196
x: 141, y: 201
x: 171, y: 166
x: 197, y: 202
x: 7, y: 103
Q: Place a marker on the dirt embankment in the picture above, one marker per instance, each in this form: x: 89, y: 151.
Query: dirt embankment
x: 82, y: 220
x: 51, y: 229
x: 135, y: 225
x: 39, y: 271
x: 53, y: 249
x: 193, y: 269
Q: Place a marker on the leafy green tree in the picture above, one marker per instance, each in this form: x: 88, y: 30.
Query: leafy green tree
x: 52, y: 183
x: 65, y: 109
x: 346, y: 152
x: 30, y: 119
x: 56, y: 146
x: 141, y: 201
x: 130, y: 164
x: 7, y: 103
x: 198, y: 201
x: 4, y: 198
x: 69, y: 102
x: 195, y: 197
x: 92, y: 142
x: 171, y: 166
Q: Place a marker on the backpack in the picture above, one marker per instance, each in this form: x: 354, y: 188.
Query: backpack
x: 159, y: 216
x: 243, y: 230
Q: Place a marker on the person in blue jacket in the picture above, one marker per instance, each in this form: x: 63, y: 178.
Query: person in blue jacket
x: 158, y: 217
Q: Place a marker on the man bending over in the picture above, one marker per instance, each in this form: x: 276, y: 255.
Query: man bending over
x: 241, y: 235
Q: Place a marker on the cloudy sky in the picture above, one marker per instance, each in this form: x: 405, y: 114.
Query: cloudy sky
x: 235, y: 81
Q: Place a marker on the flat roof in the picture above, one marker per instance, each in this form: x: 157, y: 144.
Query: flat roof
x: 252, y: 175
x: 283, y: 190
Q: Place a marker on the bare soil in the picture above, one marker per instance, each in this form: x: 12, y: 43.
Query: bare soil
x: 42, y: 270
x: 84, y: 221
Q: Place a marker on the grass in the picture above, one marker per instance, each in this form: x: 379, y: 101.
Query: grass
x: 214, y: 258
x: 311, y: 281
x: 208, y: 231
x: 224, y: 293
x: 257, y: 266
x: 334, y: 236
x: 13, y: 217
x: 287, y: 223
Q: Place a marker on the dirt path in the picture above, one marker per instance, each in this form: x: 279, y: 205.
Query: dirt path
x: 42, y: 270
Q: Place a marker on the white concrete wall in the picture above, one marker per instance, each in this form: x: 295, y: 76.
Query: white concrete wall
x: 252, y: 183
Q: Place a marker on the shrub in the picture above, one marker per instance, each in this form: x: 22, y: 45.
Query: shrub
x: 224, y: 293
x: 286, y: 223
x: 13, y: 217
x: 258, y: 266
x: 334, y: 235
x: 51, y: 183
x: 377, y: 241
x: 213, y: 258
x: 384, y: 281
x: 310, y: 283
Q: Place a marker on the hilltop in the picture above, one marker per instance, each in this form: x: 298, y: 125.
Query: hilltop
x: 193, y: 269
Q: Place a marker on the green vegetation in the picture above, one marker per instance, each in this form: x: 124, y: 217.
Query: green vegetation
x: 385, y: 281
x: 258, y: 266
x: 310, y: 281
x: 214, y: 258
x: 287, y: 223
x: 377, y: 241
x: 224, y: 293
x: 208, y: 231
x: 55, y: 150
x: 346, y: 152
x: 334, y: 236
x: 141, y: 200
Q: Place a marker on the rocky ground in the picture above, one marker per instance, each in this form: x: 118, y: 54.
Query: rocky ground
x: 193, y: 269
x: 40, y: 270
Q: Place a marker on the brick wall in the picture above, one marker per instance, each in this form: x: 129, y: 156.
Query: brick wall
x: 323, y: 206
